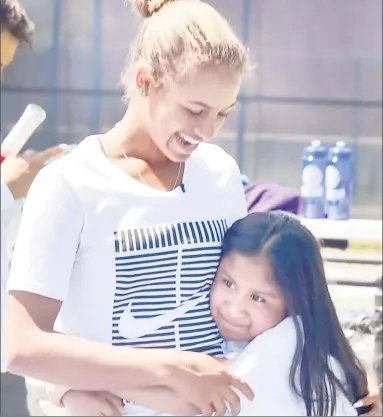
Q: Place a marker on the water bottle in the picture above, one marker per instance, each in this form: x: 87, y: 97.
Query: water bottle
x: 339, y: 181
x: 314, y: 162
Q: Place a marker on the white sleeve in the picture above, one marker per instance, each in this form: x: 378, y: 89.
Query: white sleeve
x: 48, y: 237
x: 237, y: 195
x: 6, y: 197
x: 343, y: 405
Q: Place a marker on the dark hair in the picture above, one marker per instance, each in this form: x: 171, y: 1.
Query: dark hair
x: 297, y: 265
x: 14, y: 19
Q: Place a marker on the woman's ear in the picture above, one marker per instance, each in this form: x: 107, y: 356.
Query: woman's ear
x: 143, y: 80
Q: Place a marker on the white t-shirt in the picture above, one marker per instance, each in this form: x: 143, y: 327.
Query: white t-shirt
x: 265, y: 365
x: 7, y: 202
x: 132, y: 265
x: 10, y: 218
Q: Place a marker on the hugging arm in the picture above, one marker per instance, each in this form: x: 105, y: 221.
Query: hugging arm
x: 159, y: 398
x: 43, y: 260
x: 42, y: 265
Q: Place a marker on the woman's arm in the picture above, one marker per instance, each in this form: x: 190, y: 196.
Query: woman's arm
x: 159, y: 399
x: 33, y: 349
x: 371, y: 401
x: 43, y: 259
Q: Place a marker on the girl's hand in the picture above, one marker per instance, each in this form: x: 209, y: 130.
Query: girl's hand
x: 205, y: 383
x: 92, y: 403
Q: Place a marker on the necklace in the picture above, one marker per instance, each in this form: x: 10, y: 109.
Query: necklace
x: 140, y: 176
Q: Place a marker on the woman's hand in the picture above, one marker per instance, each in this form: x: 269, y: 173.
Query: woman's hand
x: 205, y: 383
x: 372, y: 399
x: 88, y: 403
x: 160, y: 399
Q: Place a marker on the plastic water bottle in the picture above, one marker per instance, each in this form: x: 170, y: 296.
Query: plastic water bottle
x: 314, y: 162
x: 339, y: 181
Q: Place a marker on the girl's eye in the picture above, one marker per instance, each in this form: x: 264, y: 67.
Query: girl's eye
x: 228, y: 283
x: 258, y: 298
x: 222, y: 116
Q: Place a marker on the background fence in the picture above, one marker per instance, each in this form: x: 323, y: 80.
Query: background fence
x: 319, y: 75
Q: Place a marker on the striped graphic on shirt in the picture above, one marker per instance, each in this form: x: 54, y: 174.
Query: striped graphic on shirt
x: 163, y: 280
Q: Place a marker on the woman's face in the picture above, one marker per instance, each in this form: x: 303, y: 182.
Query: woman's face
x: 245, y: 300
x: 184, y: 114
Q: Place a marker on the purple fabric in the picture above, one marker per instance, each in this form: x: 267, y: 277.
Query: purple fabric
x: 269, y: 196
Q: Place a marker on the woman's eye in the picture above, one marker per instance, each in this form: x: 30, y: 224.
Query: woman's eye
x: 228, y: 283
x: 258, y: 298
x: 194, y: 112
x: 222, y: 115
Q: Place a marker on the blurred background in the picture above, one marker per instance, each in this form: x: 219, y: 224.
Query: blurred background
x: 318, y: 76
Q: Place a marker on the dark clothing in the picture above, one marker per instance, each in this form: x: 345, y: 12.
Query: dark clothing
x: 269, y: 196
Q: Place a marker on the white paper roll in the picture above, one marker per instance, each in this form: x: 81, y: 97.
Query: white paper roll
x: 30, y: 120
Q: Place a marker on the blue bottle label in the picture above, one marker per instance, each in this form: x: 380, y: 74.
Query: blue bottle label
x: 312, y: 181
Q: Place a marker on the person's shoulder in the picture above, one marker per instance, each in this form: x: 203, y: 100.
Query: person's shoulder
x: 64, y: 171
x: 215, y: 157
x: 68, y: 164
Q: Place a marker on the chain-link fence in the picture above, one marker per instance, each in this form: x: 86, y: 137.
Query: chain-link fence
x: 319, y: 75
x: 364, y: 331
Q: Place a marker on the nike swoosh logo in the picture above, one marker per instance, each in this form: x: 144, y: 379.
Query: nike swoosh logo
x: 132, y: 328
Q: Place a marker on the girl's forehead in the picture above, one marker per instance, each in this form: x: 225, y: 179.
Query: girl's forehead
x: 248, y: 266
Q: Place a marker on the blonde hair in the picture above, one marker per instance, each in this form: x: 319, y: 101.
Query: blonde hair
x: 178, y: 36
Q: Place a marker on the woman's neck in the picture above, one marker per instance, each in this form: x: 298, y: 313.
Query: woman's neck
x: 130, y: 136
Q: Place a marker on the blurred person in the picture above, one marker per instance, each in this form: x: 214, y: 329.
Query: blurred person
x: 16, y: 28
x: 17, y: 173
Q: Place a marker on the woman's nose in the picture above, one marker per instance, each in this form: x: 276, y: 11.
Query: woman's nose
x: 206, y: 130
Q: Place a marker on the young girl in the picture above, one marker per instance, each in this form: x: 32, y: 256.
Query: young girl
x: 270, y: 293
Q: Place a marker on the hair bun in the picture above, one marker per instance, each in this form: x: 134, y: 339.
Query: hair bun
x: 146, y: 8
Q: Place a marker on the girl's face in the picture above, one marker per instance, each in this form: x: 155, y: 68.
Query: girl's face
x: 184, y: 114
x: 245, y: 300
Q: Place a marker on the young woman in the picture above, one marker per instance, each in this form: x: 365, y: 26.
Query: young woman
x: 120, y: 240
x: 270, y: 291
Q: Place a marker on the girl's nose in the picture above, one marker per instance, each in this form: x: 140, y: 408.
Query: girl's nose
x: 236, y: 312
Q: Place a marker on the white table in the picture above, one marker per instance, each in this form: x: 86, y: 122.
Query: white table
x: 353, y: 229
